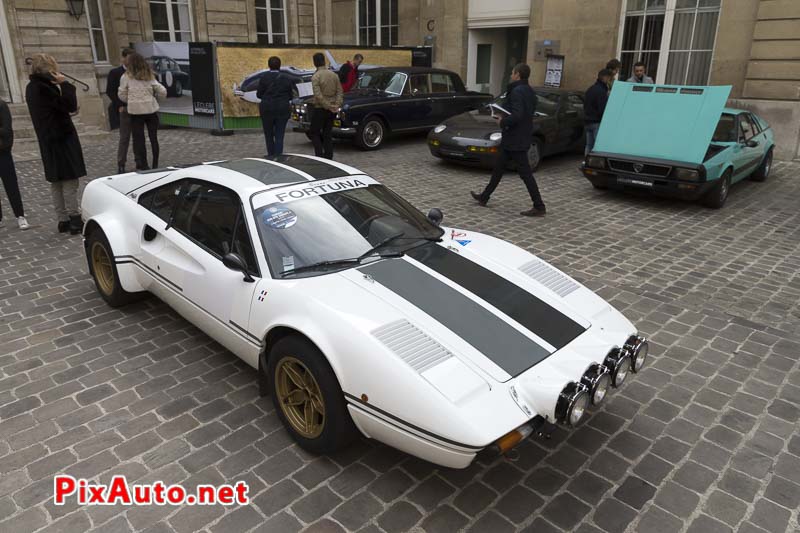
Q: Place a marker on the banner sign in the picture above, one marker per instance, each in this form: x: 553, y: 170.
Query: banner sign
x: 201, y: 63
x: 241, y: 66
x: 170, y: 63
x: 422, y: 57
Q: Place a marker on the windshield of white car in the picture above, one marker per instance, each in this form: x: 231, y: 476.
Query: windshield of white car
x: 338, y: 230
x: 390, y: 82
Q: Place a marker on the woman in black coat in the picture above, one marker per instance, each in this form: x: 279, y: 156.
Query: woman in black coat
x: 51, y: 99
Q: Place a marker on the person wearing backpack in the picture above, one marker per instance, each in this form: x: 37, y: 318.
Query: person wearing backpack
x: 139, y: 88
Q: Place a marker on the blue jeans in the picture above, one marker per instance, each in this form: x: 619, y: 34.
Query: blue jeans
x: 591, y: 136
x: 274, y: 131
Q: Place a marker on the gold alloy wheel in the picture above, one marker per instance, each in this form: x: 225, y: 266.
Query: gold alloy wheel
x: 103, y: 269
x: 300, y: 397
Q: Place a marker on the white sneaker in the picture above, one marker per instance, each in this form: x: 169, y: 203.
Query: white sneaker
x: 22, y: 223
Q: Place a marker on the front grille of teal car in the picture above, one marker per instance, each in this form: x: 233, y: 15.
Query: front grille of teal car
x: 645, y: 169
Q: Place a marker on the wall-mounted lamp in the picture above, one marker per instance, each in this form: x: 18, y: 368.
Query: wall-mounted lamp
x: 76, y: 8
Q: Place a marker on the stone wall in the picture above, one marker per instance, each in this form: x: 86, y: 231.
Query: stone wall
x: 784, y: 119
x: 737, y: 20
x: 227, y: 20
x: 774, y: 68
x: 343, y: 21
x: 587, y: 30
x: 45, y: 26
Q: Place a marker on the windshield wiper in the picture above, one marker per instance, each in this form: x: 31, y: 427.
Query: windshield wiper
x: 320, y: 264
x: 380, y: 245
x: 360, y: 258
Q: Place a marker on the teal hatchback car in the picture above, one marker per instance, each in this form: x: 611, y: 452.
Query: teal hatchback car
x: 679, y: 142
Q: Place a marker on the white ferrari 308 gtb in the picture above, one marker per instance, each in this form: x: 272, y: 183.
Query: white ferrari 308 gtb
x: 360, y: 313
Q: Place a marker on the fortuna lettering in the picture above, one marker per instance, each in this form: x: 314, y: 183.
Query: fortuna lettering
x: 317, y: 190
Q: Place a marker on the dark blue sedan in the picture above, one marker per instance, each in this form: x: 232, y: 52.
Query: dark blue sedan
x: 397, y: 100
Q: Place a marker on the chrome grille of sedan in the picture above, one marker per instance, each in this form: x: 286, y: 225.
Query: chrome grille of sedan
x: 645, y: 169
x: 412, y: 345
x: 549, y: 277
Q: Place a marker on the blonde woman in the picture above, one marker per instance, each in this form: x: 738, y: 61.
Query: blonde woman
x: 51, y: 99
x: 139, y: 88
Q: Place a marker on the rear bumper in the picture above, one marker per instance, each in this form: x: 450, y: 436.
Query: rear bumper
x: 664, y: 187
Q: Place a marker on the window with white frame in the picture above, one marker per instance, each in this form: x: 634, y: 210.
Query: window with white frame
x: 673, y: 38
x: 172, y: 20
x: 97, y: 31
x: 271, y: 21
x: 377, y: 22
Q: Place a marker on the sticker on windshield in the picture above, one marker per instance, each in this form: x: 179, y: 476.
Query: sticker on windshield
x: 288, y: 263
x: 279, y: 217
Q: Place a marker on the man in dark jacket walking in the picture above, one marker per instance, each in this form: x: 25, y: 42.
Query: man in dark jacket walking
x: 517, y: 129
x: 7, y: 171
x: 275, y: 92
x: 118, y: 110
x: 594, y: 105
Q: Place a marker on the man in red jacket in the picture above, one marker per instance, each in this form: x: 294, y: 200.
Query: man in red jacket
x: 348, y: 73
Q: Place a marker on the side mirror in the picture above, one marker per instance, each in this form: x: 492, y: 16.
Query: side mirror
x: 236, y: 262
x: 752, y: 143
x: 436, y: 216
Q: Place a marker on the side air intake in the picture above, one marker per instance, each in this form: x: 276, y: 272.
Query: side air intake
x: 549, y: 277
x: 412, y: 345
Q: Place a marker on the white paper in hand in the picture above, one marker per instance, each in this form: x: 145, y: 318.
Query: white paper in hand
x: 304, y: 89
x: 499, y: 111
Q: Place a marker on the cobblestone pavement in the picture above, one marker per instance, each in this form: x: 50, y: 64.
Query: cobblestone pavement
x: 705, y: 440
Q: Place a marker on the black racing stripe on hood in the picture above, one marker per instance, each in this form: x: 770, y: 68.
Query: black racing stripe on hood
x: 489, y: 334
x: 316, y: 169
x: 537, y: 316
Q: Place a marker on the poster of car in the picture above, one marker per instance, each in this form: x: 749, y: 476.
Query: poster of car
x: 240, y: 67
x: 170, y: 63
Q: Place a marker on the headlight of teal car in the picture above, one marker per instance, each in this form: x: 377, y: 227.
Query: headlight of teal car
x: 596, y: 162
x: 687, y: 174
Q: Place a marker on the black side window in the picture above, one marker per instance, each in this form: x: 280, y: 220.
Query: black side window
x: 207, y: 214
x: 419, y: 84
x: 161, y: 200
x: 756, y: 125
x: 441, y: 83
x: 746, y: 131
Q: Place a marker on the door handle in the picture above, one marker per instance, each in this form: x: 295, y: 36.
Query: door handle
x: 149, y: 233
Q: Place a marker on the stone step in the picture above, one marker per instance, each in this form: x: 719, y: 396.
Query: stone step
x: 18, y: 110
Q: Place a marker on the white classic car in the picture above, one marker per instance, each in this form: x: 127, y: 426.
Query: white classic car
x: 360, y: 313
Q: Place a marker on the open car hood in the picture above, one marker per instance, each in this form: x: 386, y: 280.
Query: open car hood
x: 661, y: 121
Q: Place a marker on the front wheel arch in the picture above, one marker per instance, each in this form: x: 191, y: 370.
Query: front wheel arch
x: 337, y: 428
x: 270, y: 339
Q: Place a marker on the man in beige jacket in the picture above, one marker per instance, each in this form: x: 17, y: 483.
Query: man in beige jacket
x: 325, y: 105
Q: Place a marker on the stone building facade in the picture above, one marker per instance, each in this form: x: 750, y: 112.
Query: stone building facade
x: 753, y: 45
